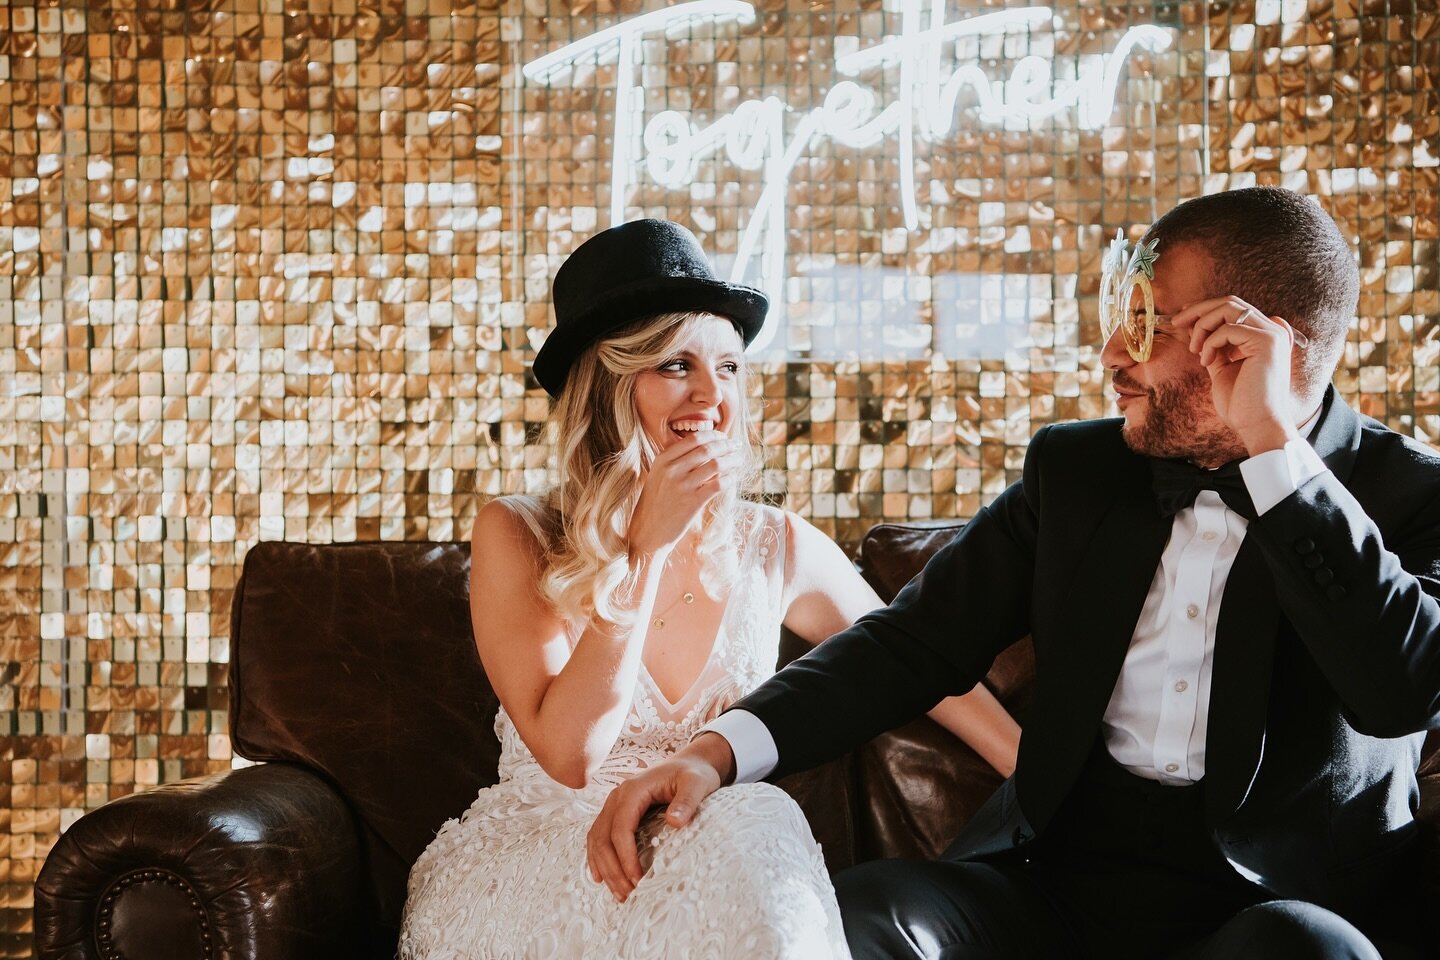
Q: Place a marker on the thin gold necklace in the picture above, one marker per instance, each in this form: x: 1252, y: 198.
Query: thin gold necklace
x: 659, y: 620
x: 688, y: 597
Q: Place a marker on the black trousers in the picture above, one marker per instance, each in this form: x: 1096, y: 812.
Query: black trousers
x: 1126, y: 871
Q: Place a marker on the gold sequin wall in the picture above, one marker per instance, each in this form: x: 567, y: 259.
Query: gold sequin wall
x: 271, y: 268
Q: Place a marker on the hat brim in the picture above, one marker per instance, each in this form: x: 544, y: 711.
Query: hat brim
x: 744, y: 305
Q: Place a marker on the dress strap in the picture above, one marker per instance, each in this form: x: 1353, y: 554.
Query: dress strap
x: 767, y: 543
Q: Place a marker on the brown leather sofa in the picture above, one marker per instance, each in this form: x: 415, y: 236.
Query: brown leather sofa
x: 355, y: 681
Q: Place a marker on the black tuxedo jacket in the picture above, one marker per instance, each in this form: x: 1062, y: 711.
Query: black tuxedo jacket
x: 1327, y: 655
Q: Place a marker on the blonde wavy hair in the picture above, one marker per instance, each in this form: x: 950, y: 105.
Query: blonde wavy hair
x: 602, y: 455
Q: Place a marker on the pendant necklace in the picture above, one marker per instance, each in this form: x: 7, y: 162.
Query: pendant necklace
x: 688, y: 597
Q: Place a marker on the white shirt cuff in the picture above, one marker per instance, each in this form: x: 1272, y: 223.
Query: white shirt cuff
x: 750, y: 741
x: 1275, y: 474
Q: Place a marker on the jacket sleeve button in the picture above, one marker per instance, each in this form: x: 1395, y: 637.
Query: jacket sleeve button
x: 1324, y: 576
x: 1304, y: 545
x: 1335, y: 592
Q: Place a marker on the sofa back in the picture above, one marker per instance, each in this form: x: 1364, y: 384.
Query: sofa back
x: 357, y: 661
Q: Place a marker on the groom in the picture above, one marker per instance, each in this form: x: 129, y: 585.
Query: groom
x: 1232, y: 595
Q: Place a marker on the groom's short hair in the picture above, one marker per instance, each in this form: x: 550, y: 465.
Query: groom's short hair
x: 1280, y: 252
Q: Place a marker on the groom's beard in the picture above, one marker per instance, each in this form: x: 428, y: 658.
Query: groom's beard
x: 1180, y: 422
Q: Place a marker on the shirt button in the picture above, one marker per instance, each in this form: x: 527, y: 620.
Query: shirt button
x: 1208, y: 535
x: 1181, y: 686
x: 1192, y: 611
x: 1172, y: 767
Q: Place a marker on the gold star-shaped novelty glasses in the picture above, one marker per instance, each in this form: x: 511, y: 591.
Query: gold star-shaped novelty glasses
x: 1127, y: 302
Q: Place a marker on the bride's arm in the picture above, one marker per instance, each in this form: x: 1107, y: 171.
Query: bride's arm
x: 826, y: 595
x: 567, y: 705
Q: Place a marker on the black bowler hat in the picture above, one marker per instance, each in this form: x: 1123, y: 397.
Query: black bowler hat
x: 626, y: 273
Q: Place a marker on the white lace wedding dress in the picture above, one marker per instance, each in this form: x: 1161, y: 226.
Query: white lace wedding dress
x: 744, y: 879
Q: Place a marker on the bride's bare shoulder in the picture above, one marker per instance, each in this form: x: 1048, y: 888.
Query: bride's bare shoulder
x: 513, y: 528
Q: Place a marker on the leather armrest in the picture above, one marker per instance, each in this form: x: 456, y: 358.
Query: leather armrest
x: 260, y: 862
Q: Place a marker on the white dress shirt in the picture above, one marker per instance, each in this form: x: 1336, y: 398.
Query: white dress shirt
x: 1155, y: 723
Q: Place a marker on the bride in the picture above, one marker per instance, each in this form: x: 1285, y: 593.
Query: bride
x: 640, y: 598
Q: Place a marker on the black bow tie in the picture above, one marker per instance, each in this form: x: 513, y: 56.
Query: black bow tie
x: 1178, y: 482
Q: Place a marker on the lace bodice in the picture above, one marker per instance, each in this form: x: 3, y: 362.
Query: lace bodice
x: 743, y: 655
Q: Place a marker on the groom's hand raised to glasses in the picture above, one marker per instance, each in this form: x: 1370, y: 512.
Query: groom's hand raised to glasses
x: 682, y: 782
x: 1248, y: 357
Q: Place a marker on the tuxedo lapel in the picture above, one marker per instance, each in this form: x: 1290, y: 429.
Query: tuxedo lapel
x: 1337, y: 436
x: 1240, y: 681
x: 1110, y: 586
x: 1245, y: 636
x: 1077, y: 667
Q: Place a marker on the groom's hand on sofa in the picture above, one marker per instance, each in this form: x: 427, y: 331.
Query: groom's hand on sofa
x: 682, y: 782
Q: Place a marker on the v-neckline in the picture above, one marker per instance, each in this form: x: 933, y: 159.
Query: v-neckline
x: 756, y: 523
x: 720, y: 634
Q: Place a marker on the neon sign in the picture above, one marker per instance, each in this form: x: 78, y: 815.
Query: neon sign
x: 754, y: 137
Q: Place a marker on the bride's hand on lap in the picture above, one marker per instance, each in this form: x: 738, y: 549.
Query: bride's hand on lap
x: 680, y: 481
x: 682, y: 782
